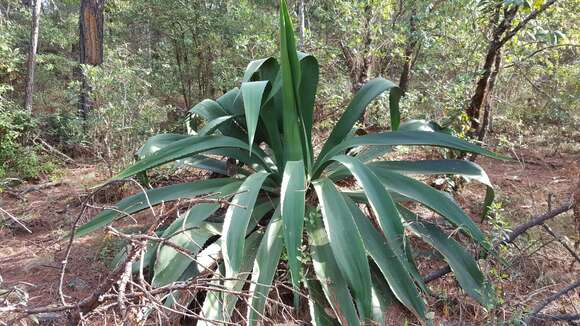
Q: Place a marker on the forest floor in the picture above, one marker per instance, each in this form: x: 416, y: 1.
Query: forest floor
x: 531, y: 270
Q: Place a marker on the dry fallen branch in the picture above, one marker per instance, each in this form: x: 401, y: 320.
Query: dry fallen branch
x: 12, y: 217
x: 533, y: 315
x: 509, y: 238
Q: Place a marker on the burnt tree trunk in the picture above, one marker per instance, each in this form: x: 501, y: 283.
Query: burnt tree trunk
x: 31, y: 64
x: 91, y: 23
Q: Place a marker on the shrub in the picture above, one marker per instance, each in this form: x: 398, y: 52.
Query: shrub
x: 284, y: 197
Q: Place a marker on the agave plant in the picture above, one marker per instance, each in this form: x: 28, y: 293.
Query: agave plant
x: 284, y: 197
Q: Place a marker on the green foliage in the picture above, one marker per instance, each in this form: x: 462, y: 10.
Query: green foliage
x: 279, y: 183
x: 124, y: 112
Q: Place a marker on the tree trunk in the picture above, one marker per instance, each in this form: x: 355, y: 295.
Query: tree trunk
x: 500, y: 36
x: 487, y: 112
x: 302, y: 24
x: 91, y: 23
x: 408, y: 56
x: 477, y: 101
x: 32, y: 55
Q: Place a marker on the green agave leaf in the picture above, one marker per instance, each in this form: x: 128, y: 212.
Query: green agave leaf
x: 214, y: 124
x: 170, y: 264
x: 346, y: 243
x: 141, y: 201
x: 267, y: 257
x: 206, y: 163
x: 327, y: 271
x: 218, y: 305
x: 363, y: 97
x: 257, y: 66
x: 467, y: 169
x: 399, y: 279
x: 209, y: 109
x: 308, y: 86
x: 406, y: 138
x: 381, y: 203
x: 317, y: 304
x: 157, y: 142
x: 293, y: 199
x: 189, y: 146
x: 382, y: 296
x: 430, y: 197
x: 290, y: 66
x: 232, y: 102
x: 461, y: 262
x: 253, y: 94
x: 237, y: 219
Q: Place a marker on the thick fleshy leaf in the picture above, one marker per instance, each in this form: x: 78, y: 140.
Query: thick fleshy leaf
x: 219, y: 305
x: 209, y: 109
x: 380, y: 201
x: 205, y: 163
x: 430, y: 197
x: 214, y: 124
x: 293, y: 199
x: 267, y: 258
x: 294, y: 137
x: 406, y: 138
x: 141, y: 201
x: 253, y: 94
x: 157, y: 142
x: 189, y: 146
x: 461, y: 262
x: 237, y: 219
x: 170, y: 263
x: 395, y: 273
x: 328, y: 273
x: 317, y: 305
x: 346, y: 243
x: 266, y: 68
x: 466, y: 169
x: 382, y: 296
x: 363, y: 97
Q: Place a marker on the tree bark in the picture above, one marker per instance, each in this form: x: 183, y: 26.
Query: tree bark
x: 91, y: 24
x: 408, y: 55
x: 302, y: 24
x: 36, y: 6
x: 488, y: 109
x: 500, y: 36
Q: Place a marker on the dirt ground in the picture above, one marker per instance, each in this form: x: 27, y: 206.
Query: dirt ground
x: 531, y: 270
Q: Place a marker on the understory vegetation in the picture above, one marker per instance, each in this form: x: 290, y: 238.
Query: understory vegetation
x: 333, y: 181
